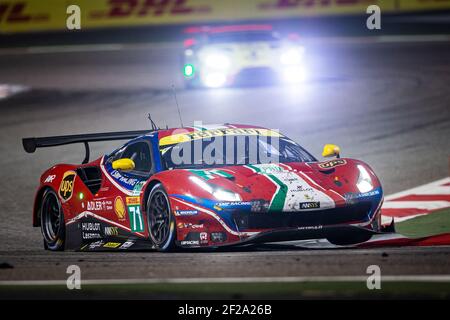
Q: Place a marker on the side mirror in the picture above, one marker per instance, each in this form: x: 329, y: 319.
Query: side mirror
x: 331, y: 150
x: 124, y: 164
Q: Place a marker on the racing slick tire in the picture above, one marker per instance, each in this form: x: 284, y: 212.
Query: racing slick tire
x: 346, y: 240
x: 358, y: 237
x: 160, y: 220
x: 52, y: 221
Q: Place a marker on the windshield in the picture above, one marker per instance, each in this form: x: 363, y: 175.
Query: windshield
x: 243, y: 37
x: 233, y: 150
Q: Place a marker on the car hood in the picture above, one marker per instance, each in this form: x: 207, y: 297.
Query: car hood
x: 279, y: 187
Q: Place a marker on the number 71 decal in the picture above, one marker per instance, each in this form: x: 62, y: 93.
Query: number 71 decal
x: 134, y: 211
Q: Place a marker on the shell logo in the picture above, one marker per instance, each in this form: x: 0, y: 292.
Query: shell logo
x: 119, y: 208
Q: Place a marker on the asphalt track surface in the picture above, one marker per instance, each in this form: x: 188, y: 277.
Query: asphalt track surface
x: 385, y: 103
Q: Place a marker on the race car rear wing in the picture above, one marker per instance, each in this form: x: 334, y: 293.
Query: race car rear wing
x: 30, y: 144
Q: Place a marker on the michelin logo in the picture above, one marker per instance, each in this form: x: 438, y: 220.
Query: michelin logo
x: 186, y: 212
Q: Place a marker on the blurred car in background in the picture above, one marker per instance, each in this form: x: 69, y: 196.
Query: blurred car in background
x: 241, y: 54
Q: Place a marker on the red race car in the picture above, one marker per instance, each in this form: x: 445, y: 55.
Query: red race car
x: 206, y: 186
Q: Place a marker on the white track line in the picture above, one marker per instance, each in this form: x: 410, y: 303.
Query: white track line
x: 428, y: 189
x: 75, y: 48
x: 178, y: 44
x: 425, y: 205
x: 414, y: 38
x: 387, y: 219
x: 397, y: 278
x: 90, y: 48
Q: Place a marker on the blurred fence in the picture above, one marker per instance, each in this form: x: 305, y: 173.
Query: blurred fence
x: 46, y: 15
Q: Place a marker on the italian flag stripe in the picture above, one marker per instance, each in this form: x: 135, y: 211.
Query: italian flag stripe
x: 278, y: 199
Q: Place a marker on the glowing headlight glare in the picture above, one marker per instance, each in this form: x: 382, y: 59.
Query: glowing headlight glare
x: 188, y: 70
x: 223, y: 195
x: 364, y: 183
x: 217, y: 61
x: 291, y: 56
x: 202, y: 184
x: 219, y: 194
x: 214, y: 79
x: 293, y: 75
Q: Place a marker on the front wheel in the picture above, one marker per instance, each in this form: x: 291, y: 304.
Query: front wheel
x: 160, y: 221
x: 346, y: 240
x: 52, y: 221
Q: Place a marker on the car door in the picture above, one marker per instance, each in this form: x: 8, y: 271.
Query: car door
x: 125, y: 185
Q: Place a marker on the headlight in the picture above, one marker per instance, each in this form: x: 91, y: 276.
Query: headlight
x: 214, y: 79
x: 218, y: 193
x: 364, y: 183
x: 292, y: 56
x: 224, y: 195
x: 217, y: 60
x: 293, y: 74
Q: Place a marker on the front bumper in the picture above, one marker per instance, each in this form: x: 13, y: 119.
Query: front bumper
x: 237, y: 225
x: 359, y: 213
x: 342, y: 234
x: 253, y: 75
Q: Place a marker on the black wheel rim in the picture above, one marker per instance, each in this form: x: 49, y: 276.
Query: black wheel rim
x: 159, y: 218
x: 51, y: 217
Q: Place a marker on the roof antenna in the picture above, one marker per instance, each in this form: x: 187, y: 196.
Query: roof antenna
x: 178, y: 107
x: 154, y: 126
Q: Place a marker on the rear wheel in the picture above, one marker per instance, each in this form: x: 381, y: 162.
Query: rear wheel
x: 52, y: 221
x: 161, y: 223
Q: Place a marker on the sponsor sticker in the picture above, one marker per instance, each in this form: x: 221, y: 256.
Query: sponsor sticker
x: 96, y: 244
x: 211, y: 174
x: 218, y: 237
x: 310, y: 205
x: 90, y: 235
x: 66, y: 186
x: 111, y: 231
x: 50, y: 178
x: 232, y: 131
x: 186, y: 212
x: 203, y: 237
x: 182, y: 225
x: 131, y: 182
x: 308, y: 196
x: 111, y: 245
x: 260, y: 206
x: 135, y: 215
x: 332, y: 163
x: 190, y: 243
x: 90, y: 230
x: 234, y: 204
x: 132, y: 201
x: 317, y: 227
x: 138, y: 188
x: 352, y: 197
x: 126, y: 245
x: 90, y: 226
x: 206, y: 134
x: 97, y: 205
x: 119, y: 208
x: 370, y: 193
